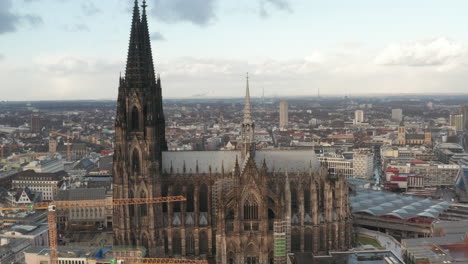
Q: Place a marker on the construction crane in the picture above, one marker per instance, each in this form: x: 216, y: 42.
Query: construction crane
x: 134, y: 260
x: 68, y: 142
x: 53, y: 206
x: 157, y: 261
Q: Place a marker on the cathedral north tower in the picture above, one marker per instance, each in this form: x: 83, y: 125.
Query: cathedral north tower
x: 139, y: 141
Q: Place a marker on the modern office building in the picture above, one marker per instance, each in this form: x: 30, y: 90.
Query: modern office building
x: 397, y: 114
x: 363, y: 164
x: 339, y: 165
x: 457, y: 122
x: 35, y: 123
x: 283, y: 112
x: 464, y: 113
x: 359, y: 116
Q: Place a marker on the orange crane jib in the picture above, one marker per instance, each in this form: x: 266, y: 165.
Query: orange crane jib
x: 160, y: 260
x: 56, y: 205
x: 97, y: 203
x: 123, y: 260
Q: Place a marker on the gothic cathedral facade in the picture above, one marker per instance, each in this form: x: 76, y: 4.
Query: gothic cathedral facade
x: 233, y: 197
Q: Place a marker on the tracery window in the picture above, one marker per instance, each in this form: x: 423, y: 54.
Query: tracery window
x: 294, y: 201
x: 131, y: 208
x: 190, y: 245
x: 203, y: 242
x: 295, y: 240
x: 271, y: 219
x: 308, y: 240
x: 135, y: 121
x: 176, y: 243
x: 136, y: 162
x: 190, y: 195
x: 250, y: 209
x: 143, y: 207
x: 203, y: 198
x: 307, y: 204
x: 230, y: 221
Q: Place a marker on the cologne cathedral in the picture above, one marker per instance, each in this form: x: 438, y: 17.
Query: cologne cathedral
x: 235, y: 199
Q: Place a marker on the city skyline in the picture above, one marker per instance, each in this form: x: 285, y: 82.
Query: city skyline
x: 340, y: 48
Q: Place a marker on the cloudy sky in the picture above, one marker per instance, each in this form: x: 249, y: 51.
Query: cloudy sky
x: 75, y: 49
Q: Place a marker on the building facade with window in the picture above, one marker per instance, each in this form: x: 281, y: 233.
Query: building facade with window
x: 85, y: 218
x: 46, y: 183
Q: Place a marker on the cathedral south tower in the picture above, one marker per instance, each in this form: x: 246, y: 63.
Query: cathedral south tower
x: 139, y: 140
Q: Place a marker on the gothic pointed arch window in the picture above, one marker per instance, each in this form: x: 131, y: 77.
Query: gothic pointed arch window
x: 271, y: 257
x: 250, y: 208
x: 135, y: 119
x: 176, y: 243
x: 176, y: 207
x: 307, y: 204
x: 190, y: 244
x: 143, y: 207
x: 308, y: 240
x: 145, y: 241
x: 164, y: 193
x: 203, y: 242
x: 294, y: 201
x: 229, y: 221
x: 231, y: 257
x: 131, y: 208
x: 251, y: 255
x: 323, y: 239
x: 190, y: 195
x: 189, y: 206
x: 203, y: 198
x: 295, y: 240
x: 166, y: 243
x: 136, y: 165
x: 271, y: 219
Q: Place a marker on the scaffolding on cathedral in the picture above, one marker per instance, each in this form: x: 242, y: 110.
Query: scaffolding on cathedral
x: 282, y: 240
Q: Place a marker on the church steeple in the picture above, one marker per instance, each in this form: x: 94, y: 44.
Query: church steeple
x: 146, y: 46
x: 139, y: 139
x: 247, y: 108
x: 248, y: 126
x: 140, y: 69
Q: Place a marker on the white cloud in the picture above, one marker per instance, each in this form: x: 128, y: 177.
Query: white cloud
x: 439, y: 51
x: 315, y: 57
x: 337, y: 71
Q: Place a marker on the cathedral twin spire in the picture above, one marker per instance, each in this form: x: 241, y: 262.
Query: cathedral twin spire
x: 140, y: 69
x: 141, y: 84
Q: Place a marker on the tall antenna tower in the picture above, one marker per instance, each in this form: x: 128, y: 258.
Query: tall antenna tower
x: 263, y: 98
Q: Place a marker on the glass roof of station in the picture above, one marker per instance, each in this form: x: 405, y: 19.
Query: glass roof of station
x: 379, y: 203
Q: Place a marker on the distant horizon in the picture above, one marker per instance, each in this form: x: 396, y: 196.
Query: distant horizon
x: 293, y: 97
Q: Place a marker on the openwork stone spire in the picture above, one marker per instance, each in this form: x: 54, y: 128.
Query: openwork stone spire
x: 140, y: 69
x: 146, y: 46
x: 247, y: 107
x: 134, y: 56
x: 248, y: 127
